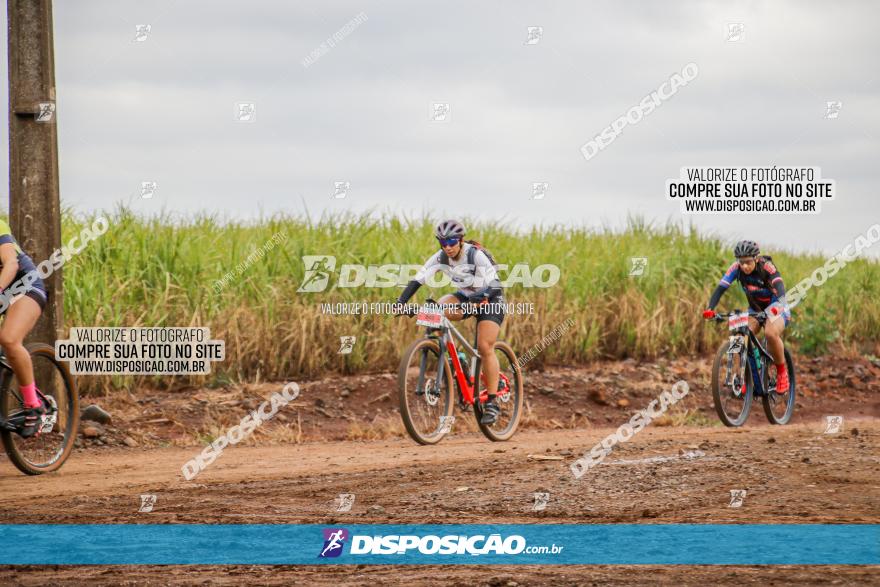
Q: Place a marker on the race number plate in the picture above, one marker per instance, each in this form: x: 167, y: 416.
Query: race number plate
x: 737, y: 321
x: 430, y: 317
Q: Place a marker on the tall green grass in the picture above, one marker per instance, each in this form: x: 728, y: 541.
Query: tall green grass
x: 160, y: 272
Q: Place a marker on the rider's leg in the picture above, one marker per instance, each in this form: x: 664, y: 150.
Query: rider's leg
x: 23, y: 313
x: 773, y: 329
x: 487, y: 334
x: 452, y: 314
x: 776, y: 348
x: 754, y: 325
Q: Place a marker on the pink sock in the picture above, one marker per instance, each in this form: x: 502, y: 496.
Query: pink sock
x: 29, y: 394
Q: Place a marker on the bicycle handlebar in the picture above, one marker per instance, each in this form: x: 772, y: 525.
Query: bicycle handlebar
x: 408, y: 310
x: 723, y: 316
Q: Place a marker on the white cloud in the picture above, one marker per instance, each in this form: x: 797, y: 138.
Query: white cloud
x: 163, y: 109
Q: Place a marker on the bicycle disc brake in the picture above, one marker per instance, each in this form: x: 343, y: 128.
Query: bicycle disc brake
x: 504, y: 394
x: 737, y: 387
x: 431, y: 394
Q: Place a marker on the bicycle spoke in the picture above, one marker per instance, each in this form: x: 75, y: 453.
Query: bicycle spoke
x: 508, y: 395
x: 734, y: 379
x: 778, y: 406
x: 426, y: 398
x: 46, y: 448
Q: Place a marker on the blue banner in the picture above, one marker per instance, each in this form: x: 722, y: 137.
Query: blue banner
x: 567, y: 544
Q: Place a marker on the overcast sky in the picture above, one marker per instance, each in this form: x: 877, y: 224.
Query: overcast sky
x: 164, y: 109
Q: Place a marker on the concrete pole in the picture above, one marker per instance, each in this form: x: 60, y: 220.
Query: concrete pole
x: 34, y: 205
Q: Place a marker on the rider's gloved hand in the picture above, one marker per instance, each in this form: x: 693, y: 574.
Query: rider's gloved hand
x: 708, y: 314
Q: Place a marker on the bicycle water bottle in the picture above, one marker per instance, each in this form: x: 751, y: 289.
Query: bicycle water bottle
x: 462, y: 358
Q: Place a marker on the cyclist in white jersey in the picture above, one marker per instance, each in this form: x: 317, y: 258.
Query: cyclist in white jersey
x: 474, y: 274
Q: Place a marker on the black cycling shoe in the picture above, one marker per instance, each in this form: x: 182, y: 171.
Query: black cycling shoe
x: 491, y: 411
x: 33, y: 421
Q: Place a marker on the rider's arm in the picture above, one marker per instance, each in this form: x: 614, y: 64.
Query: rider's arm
x: 9, y: 259
x: 413, y: 286
x: 776, y: 283
x: 725, y: 282
x: 716, y: 297
x: 486, y: 276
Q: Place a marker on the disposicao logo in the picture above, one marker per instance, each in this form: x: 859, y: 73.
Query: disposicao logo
x: 442, y: 545
x: 334, y: 540
x: 408, y: 544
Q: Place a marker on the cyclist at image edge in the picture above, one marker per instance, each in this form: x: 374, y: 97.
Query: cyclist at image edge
x: 764, y: 288
x: 21, y: 315
x: 450, y: 234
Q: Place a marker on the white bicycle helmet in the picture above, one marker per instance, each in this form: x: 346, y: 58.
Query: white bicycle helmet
x: 449, y: 229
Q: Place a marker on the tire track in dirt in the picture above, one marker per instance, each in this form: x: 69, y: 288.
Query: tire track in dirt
x: 792, y: 474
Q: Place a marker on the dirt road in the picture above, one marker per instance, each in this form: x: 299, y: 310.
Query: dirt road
x: 793, y: 474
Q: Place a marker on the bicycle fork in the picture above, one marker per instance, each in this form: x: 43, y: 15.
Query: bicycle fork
x: 735, y: 380
x: 420, y: 385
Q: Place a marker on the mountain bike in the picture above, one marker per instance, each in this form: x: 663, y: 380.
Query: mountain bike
x: 744, y: 370
x: 432, y: 365
x: 46, y: 451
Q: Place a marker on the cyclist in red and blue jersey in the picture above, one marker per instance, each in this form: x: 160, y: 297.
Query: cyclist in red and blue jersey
x: 764, y: 288
x: 24, y: 305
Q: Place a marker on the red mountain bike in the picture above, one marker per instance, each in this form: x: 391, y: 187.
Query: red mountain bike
x: 425, y: 381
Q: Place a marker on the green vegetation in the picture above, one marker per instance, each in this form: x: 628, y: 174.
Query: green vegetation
x: 160, y: 272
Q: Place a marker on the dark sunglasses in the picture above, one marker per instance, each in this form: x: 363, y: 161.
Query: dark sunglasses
x: 449, y: 242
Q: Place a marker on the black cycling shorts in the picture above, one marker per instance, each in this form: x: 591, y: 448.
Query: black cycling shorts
x: 494, y: 311
x: 36, y: 294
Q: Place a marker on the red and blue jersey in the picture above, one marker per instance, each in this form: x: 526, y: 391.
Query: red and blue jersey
x: 762, y: 286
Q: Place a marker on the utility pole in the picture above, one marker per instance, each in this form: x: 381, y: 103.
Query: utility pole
x: 34, y: 205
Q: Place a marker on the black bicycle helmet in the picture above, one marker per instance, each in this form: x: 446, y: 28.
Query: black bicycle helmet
x: 449, y: 229
x: 746, y: 249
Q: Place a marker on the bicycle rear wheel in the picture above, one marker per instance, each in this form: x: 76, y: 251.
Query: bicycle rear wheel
x: 48, y: 451
x: 779, y: 407
x: 732, y: 404
x: 509, y: 397
x: 423, y: 403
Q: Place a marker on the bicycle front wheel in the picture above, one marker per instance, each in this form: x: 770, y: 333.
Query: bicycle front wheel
x: 732, y: 386
x: 48, y: 451
x: 425, y: 405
